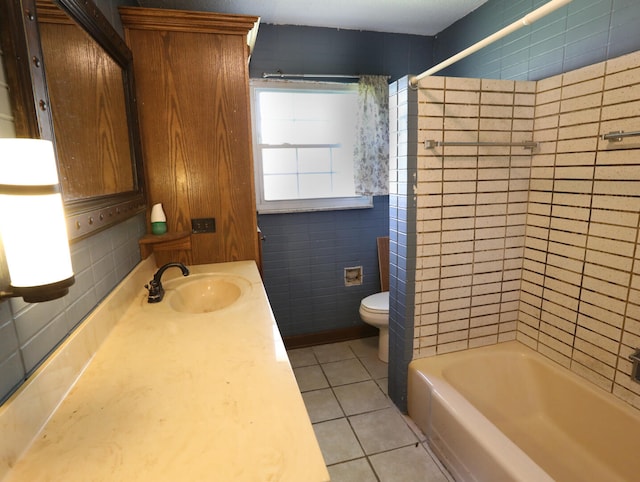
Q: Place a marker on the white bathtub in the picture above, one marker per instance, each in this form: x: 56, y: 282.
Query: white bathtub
x: 504, y: 412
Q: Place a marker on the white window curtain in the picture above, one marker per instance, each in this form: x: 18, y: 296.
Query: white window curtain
x: 371, y: 151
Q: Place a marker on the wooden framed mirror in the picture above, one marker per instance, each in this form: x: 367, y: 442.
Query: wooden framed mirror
x: 71, y: 78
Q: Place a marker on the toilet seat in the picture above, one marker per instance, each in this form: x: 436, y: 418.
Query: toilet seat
x: 376, y: 303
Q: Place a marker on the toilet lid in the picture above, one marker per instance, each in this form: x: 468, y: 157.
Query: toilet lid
x: 376, y: 303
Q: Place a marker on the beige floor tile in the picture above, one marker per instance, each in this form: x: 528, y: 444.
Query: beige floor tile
x: 382, y: 430
x: 333, y: 352
x: 365, y: 347
x: 337, y: 441
x: 345, y: 371
x: 357, y: 470
x: 361, y: 397
x: 322, y: 405
x: 375, y: 367
x: 383, y: 383
x: 310, y: 378
x: 302, y: 357
x: 407, y: 464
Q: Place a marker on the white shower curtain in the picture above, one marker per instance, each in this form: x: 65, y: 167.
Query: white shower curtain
x: 371, y: 151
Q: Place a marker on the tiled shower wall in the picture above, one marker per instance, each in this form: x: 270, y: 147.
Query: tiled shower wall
x: 541, y: 247
x: 472, y: 205
x: 581, y: 286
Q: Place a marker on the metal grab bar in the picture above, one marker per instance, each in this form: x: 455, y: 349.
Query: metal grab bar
x: 617, y: 136
x: 430, y: 144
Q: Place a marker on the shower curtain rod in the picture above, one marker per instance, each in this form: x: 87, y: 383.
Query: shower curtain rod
x: 528, y: 19
x: 280, y: 75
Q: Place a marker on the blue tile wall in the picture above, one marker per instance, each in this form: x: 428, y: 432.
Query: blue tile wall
x: 305, y: 253
x: 29, y: 332
x: 313, y: 50
x: 304, y: 256
x: 403, y: 236
x: 582, y: 33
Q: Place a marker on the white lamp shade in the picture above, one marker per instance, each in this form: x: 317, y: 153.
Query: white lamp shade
x: 157, y: 214
x: 32, y: 220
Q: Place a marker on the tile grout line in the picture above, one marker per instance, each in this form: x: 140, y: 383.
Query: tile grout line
x: 420, y: 438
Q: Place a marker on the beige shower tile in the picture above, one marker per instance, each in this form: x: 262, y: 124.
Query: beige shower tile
x: 621, y: 233
x: 622, y: 94
x: 618, y: 111
x: 578, y: 131
x: 545, y: 110
x: 583, y: 74
x: 493, y: 125
x: 496, y: 111
x: 553, y: 344
x: 548, y: 96
x: 432, y: 82
x: 525, y: 86
x: 623, y: 77
x: 460, y: 110
x: 584, y: 89
x: 497, y: 85
x: 623, y: 62
x: 579, y: 117
x: 549, y: 83
x: 497, y: 98
x: 460, y: 123
x: 618, y: 157
x: 591, y: 375
x: 462, y: 83
x: 462, y: 97
x: 596, y: 352
x: 431, y: 95
x: 523, y: 112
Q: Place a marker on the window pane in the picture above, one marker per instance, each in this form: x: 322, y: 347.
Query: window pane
x: 315, y: 186
x: 279, y: 161
x: 305, y: 134
x: 314, y: 160
x: 279, y: 186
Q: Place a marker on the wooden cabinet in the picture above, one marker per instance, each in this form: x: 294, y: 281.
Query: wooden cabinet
x: 192, y: 88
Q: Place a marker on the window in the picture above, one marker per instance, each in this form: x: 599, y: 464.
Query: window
x: 303, y: 146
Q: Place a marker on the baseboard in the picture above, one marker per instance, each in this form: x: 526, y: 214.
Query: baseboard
x: 331, y: 336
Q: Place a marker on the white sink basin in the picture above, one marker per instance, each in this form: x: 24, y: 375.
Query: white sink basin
x: 205, y: 293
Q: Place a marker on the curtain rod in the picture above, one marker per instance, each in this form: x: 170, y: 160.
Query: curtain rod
x: 280, y: 75
x: 528, y: 19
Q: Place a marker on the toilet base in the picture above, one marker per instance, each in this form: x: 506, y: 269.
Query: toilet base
x: 383, y: 345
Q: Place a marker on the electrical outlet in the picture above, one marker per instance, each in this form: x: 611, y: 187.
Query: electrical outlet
x: 203, y: 225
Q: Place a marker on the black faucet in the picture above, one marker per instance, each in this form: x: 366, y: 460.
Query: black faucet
x: 156, y: 291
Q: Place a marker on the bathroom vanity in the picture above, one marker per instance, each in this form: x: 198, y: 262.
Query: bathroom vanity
x: 177, y: 391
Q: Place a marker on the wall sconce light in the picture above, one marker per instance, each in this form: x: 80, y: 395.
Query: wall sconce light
x: 32, y: 223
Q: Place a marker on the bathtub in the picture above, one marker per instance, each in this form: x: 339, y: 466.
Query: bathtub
x: 505, y: 412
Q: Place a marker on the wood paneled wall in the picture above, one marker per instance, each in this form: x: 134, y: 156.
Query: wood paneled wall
x: 192, y: 83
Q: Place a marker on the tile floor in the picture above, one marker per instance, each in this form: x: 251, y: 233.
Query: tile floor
x: 362, y: 435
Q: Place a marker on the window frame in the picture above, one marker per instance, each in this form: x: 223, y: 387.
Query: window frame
x: 264, y: 206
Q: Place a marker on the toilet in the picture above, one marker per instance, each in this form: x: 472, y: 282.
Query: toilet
x: 374, y: 309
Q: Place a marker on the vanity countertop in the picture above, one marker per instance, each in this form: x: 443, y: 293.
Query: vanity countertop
x: 183, y: 397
